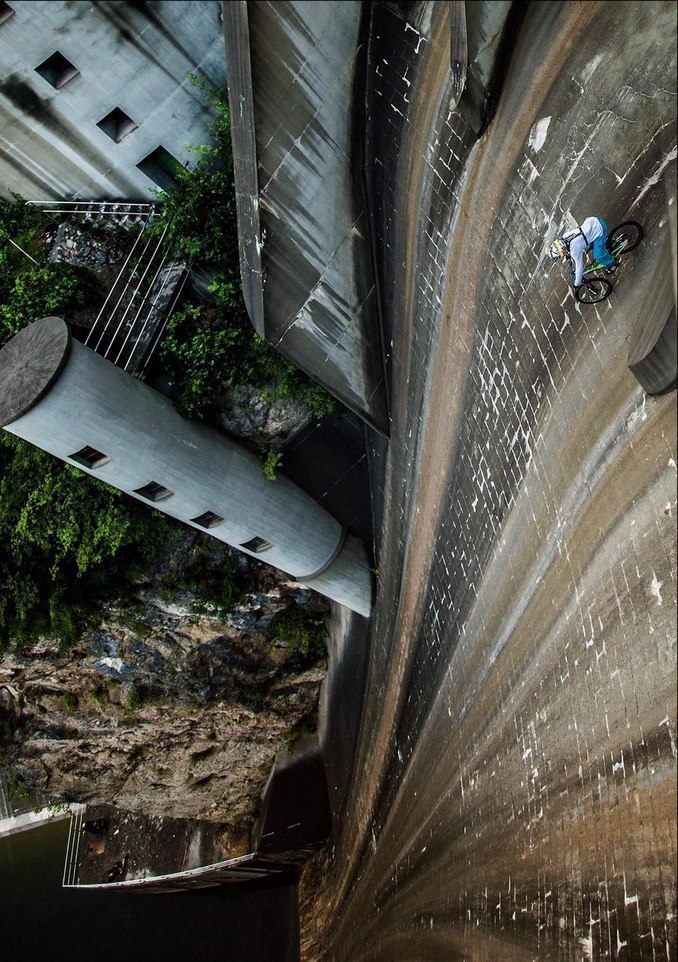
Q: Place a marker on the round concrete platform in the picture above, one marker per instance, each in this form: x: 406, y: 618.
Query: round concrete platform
x: 29, y: 364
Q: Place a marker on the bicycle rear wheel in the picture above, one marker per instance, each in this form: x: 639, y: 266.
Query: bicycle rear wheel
x: 593, y: 291
x: 624, y: 238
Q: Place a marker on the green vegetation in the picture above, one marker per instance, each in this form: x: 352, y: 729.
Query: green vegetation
x: 271, y: 464
x: 70, y: 702
x: 301, y: 633
x: 67, y: 542
x: 215, y: 583
x: 31, y: 290
x: 208, y: 348
x: 133, y: 702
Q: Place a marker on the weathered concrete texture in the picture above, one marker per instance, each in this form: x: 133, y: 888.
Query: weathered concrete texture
x: 133, y: 56
x: 244, y: 143
x: 309, y: 243
x: 486, y: 24
x: 510, y: 793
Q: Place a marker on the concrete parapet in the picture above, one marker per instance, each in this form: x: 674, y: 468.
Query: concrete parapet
x: 295, y: 77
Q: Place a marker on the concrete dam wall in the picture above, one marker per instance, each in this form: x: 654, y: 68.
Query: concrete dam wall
x: 304, y: 81
x: 296, y: 72
x: 500, y: 740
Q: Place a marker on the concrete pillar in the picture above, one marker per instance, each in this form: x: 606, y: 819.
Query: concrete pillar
x: 71, y: 402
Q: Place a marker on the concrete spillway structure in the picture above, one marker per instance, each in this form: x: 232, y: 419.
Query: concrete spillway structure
x: 74, y: 404
x: 502, y: 770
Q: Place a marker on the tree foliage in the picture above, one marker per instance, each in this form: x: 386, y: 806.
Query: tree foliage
x: 206, y: 348
x: 67, y: 542
x: 301, y: 633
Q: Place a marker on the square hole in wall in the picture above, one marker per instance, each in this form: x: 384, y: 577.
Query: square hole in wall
x: 257, y: 545
x: 162, y: 168
x: 56, y: 70
x: 117, y: 125
x: 89, y: 457
x: 5, y: 11
x: 154, y: 491
x: 208, y: 519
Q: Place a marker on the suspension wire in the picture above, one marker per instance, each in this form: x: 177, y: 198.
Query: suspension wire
x: 155, y: 301
x: 66, y: 875
x: 136, y: 291
x: 144, y: 301
x: 144, y: 213
x: 113, y: 286
x: 22, y: 251
x: 122, y: 294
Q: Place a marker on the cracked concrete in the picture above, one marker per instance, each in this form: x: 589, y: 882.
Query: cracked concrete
x: 510, y: 792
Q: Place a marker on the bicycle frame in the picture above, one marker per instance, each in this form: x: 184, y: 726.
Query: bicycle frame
x: 615, y: 251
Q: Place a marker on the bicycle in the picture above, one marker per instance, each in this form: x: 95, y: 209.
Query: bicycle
x: 621, y: 240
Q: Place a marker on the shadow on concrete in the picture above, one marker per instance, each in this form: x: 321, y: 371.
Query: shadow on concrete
x: 327, y: 460
x: 295, y: 808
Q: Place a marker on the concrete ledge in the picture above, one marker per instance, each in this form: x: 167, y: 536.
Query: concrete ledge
x: 652, y: 355
x: 23, y: 823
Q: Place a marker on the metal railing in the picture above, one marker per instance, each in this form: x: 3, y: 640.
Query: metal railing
x: 240, y: 869
x: 94, y: 208
x: 72, y: 857
x: 138, y: 304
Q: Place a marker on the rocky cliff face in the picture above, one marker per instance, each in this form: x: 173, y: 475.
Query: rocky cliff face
x: 168, y: 706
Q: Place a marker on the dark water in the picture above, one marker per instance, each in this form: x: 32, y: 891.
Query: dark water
x: 41, y: 921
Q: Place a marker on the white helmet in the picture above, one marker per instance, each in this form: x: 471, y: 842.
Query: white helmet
x: 557, y: 249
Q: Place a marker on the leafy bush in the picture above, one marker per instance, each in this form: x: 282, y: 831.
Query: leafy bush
x: 200, y: 354
x: 42, y: 291
x: 199, y: 214
x: 301, y: 633
x: 271, y: 464
x: 206, y: 349
x: 67, y: 542
x: 24, y: 226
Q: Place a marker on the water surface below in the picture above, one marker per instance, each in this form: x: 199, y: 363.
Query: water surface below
x: 40, y: 920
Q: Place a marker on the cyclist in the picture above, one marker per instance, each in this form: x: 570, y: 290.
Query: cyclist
x: 591, y: 236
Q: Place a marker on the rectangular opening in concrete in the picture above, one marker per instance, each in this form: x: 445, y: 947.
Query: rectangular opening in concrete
x: 208, y: 519
x: 5, y: 11
x: 162, y: 168
x: 89, y: 457
x: 57, y: 70
x: 117, y: 125
x: 256, y: 544
x: 154, y: 491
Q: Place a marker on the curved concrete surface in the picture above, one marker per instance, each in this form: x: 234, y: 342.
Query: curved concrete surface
x: 510, y: 790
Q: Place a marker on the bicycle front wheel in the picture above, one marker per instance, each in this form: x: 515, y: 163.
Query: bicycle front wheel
x: 593, y: 291
x: 624, y: 238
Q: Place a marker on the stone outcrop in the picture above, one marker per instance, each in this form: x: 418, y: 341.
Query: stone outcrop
x: 82, y: 249
x: 251, y: 416
x: 168, y: 708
